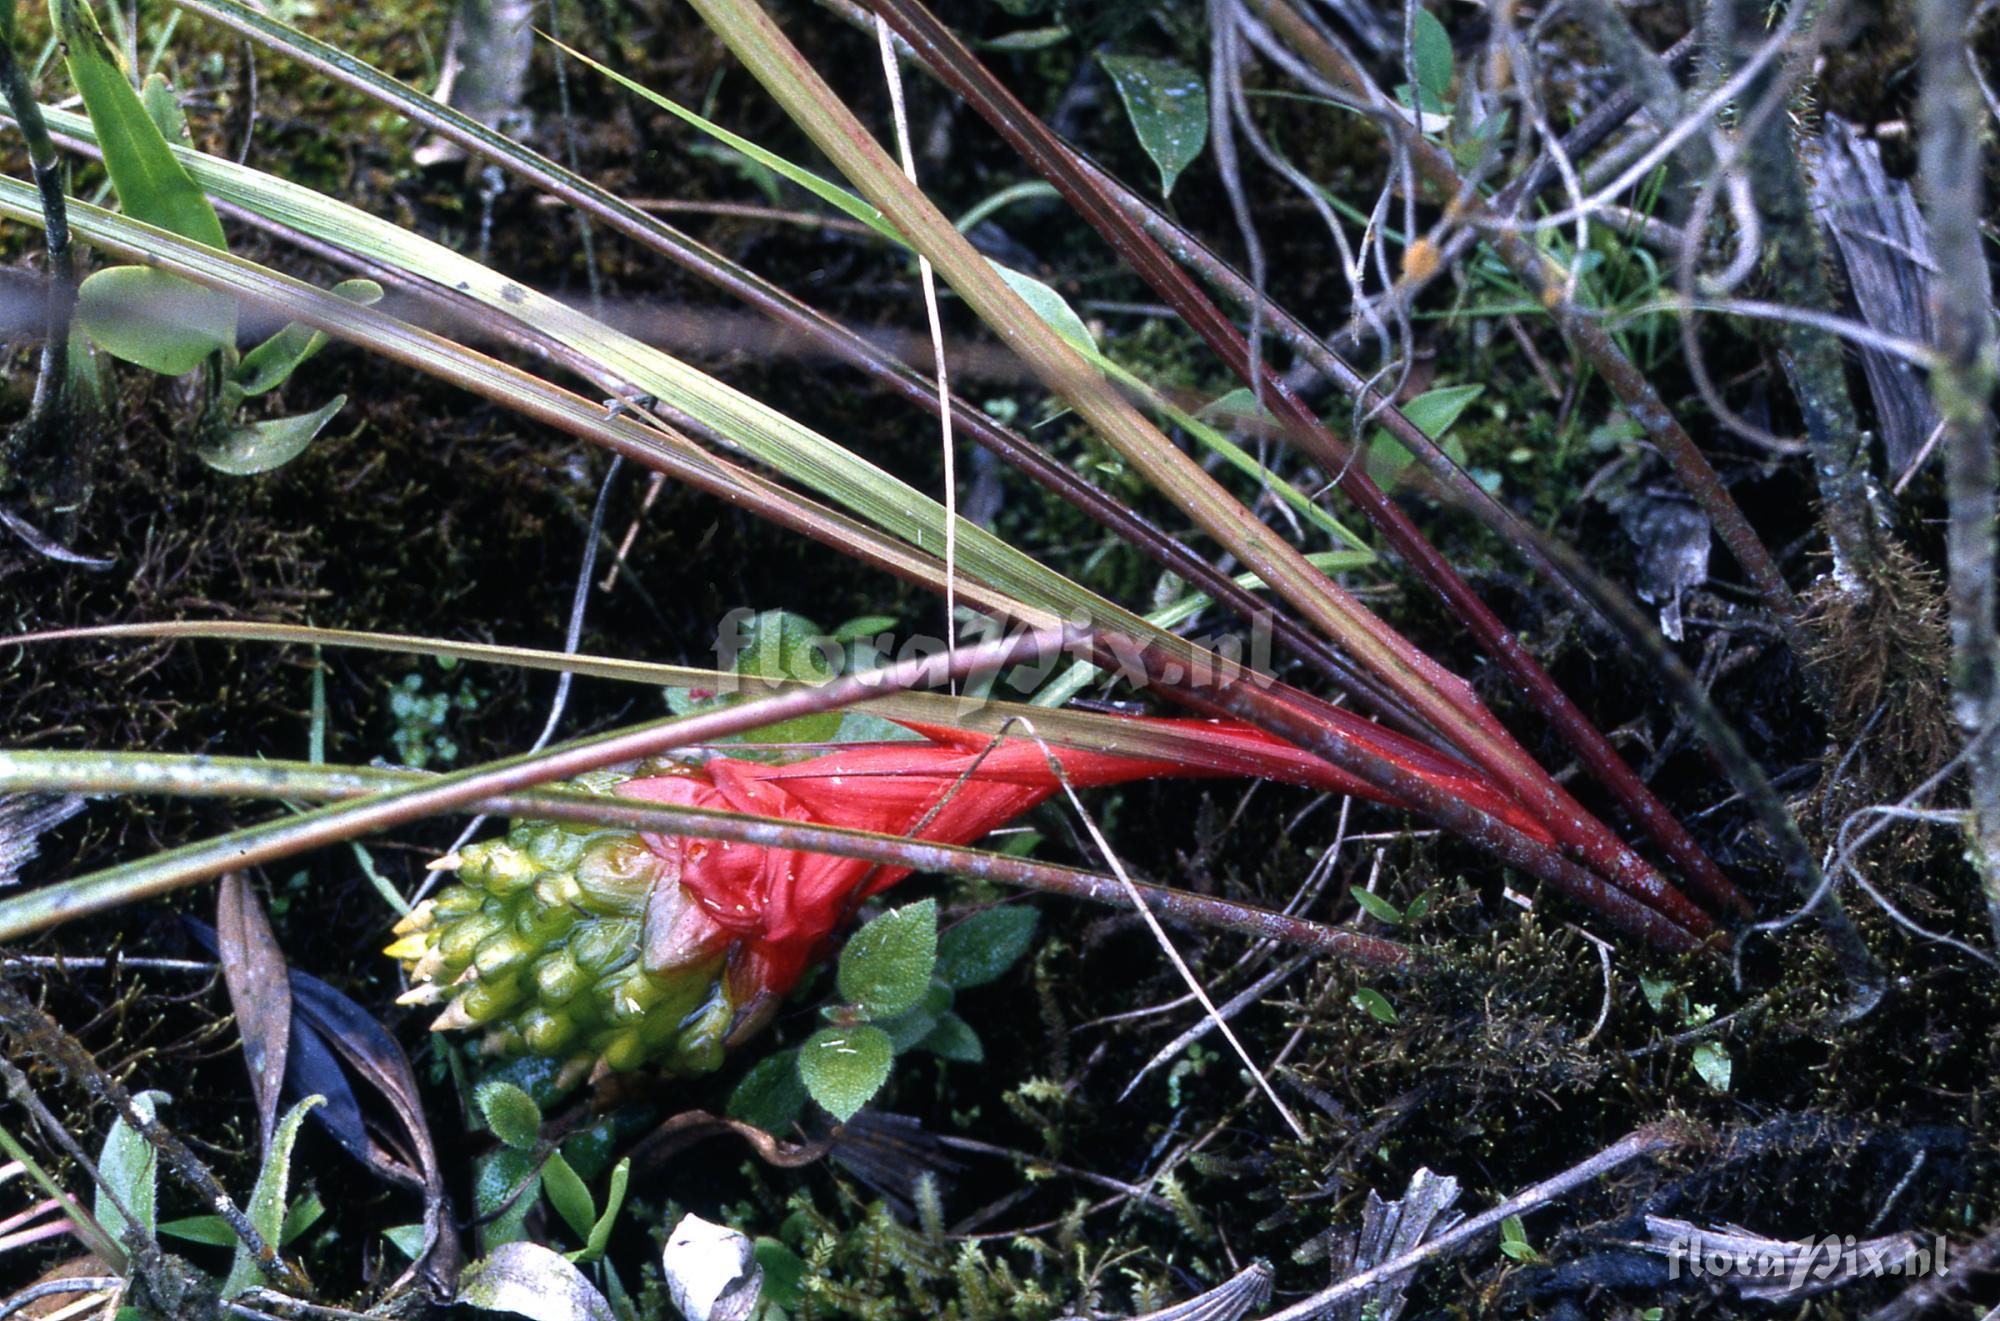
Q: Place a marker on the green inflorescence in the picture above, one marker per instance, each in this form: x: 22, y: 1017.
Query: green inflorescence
x: 539, y: 944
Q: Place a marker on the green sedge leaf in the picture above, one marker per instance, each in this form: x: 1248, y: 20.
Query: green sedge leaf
x: 154, y: 320
x: 886, y: 967
x: 825, y: 189
x: 1168, y: 106
x: 261, y: 446
x: 843, y: 1067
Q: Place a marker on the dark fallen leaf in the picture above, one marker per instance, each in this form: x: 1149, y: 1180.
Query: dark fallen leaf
x: 333, y: 1038
x: 254, y: 968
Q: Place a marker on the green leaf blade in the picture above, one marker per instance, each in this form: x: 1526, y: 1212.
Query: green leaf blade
x: 1168, y: 106
x: 154, y: 320
x: 982, y: 947
x: 844, y: 1068
x: 886, y: 968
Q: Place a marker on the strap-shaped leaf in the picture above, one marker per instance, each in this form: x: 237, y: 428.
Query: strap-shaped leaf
x: 272, y: 363
x: 152, y: 186
x: 267, y: 1200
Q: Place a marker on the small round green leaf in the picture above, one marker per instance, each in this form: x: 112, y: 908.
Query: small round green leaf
x: 771, y: 1095
x: 1375, y: 1004
x: 1375, y: 905
x: 886, y: 968
x: 843, y: 1067
x: 986, y: 944
x: 954, y: 1039
x: 511, y: 1113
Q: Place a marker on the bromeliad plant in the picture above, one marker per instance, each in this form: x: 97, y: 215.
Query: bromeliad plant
x: 709, y: 936
x: 158, y: 320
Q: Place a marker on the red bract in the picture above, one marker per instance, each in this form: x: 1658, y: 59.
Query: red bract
x: 780, y: 905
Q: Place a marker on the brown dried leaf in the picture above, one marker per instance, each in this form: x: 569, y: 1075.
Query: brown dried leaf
x: 260, y: 991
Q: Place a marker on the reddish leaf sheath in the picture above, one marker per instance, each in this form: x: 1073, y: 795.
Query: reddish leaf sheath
x: 778, y: 906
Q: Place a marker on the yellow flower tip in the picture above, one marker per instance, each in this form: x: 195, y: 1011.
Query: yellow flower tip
x: 421, y: 918
x: 430, y: 993
x: 449, y: 862
x: 600, y: 1069
x: 427, y: 967
x: 453, y: 1018
x: 410, y: 948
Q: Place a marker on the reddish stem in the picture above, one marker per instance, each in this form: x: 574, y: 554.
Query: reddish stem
x: 956, y: 65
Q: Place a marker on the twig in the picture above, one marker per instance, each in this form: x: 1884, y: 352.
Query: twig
x: 1665, y: 1135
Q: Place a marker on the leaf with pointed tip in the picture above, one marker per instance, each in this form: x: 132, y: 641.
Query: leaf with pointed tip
x: 154, y: 320
x: 261, y: 446
x: 770, y: 1094
x: 260, y: 991
x: 986, y: 944
x: 1168, y: 105
x: 267, y: 1200
x: 272, y: 363
x: 152, y: 186
x: 130, y: 1168
x: 954, y: 1039
x: 843, y: 1068
x: 157, y: 96
x: 886, y: 967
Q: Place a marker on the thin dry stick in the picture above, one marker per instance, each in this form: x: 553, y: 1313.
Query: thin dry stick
x: 1662, y: 1136
x: 35, y: 1031
x: 1160, y: 936
x: 892, y: 73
